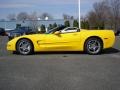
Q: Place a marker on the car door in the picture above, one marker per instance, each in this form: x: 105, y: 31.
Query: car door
x: 62, y: 42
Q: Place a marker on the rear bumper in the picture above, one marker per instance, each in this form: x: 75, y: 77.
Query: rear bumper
x: 109, y: 42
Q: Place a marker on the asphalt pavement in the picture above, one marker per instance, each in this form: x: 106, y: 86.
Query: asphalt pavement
x: 61, y: 71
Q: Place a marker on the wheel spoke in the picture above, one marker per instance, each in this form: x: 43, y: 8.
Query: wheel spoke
x: 24, y: 47
x: 93, y: 46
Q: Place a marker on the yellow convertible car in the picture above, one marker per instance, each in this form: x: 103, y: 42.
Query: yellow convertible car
x: 90, y: 41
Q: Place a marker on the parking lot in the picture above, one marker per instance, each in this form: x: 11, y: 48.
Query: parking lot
x: 60, y: 71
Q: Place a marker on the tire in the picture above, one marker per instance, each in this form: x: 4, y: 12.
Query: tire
x: 24, y: 47
x: 93, y: 46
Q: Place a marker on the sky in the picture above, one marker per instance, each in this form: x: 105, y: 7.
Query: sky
x: 55, y: 7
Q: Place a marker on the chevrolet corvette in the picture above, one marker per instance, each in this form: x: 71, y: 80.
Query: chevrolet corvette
x: 90, y: 41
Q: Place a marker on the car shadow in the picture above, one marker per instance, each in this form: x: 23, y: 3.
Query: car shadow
x: 106, y: 51
x: 110, y: 51
x: 59, y: 52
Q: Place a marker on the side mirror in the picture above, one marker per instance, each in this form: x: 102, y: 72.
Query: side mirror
x: 57, y: 33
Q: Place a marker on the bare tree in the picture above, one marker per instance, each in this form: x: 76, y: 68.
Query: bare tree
x: 114, y: 12
x: 11, y: 17
x: 33, y: 21
x: 98, y: 16
x: 105, y: 13
x: 67, y: 17
x: 92, y: 19
x: 33, y: 16
x: 22, y: 16
x: 44, y: 15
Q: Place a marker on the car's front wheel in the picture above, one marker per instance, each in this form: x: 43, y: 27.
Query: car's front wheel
x: 24, y: 47
x: 93, y: 46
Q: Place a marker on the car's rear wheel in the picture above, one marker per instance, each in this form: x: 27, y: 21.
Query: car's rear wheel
x: 93, y: 46
x: 24, y: 47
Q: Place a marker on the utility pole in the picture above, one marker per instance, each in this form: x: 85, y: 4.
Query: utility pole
x: 79, y: 14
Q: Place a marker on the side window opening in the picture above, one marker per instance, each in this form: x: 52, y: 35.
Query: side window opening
x: 69, y: 30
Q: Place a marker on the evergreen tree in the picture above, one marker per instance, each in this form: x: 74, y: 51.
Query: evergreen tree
x: 54, y: 25
x: 84, y: 25
x: 67, y: 24
x: 50, y: 26
x: 42, y: 29
x: 75, y: 23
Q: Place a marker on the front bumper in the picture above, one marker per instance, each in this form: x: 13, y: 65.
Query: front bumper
x: 11, y: 46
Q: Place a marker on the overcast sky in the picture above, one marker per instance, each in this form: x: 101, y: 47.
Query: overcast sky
x: 54, y: 7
